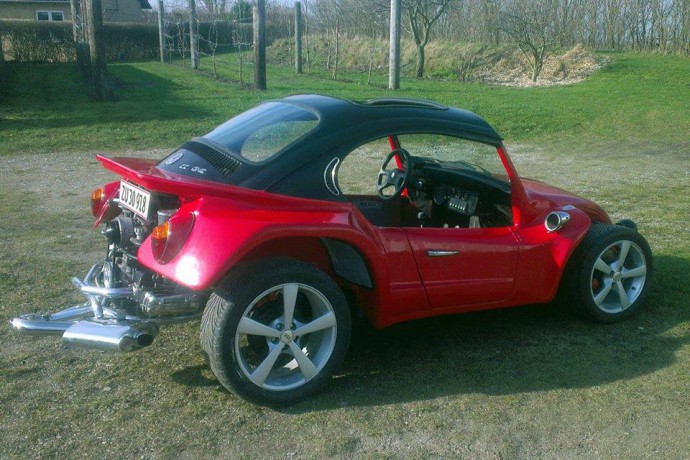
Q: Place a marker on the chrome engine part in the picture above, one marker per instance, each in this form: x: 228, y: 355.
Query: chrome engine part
x: 126, y: 302
x: 112, y: 319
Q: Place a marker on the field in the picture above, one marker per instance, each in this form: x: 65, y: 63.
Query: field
x: 531, y: 382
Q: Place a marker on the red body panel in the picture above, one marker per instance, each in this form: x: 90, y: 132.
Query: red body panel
x: 493, y: 267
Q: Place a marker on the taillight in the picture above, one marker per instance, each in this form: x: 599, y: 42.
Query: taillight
x: 97, y: 200
x: 168, y: 238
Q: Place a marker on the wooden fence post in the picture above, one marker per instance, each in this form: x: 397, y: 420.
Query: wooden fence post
x: 161, y: 30
x: 394, y: 50
x: 298, y: 37
x: 260, y: 44
x: 193, y: 35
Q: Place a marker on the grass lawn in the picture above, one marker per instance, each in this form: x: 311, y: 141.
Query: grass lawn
x: 521, y: 383
x: 637, y: 98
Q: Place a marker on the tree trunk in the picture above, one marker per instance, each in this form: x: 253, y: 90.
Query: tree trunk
x: 260, y: 44
x: 420, y: 61
x: 94, y: 14
x: 81, y: 48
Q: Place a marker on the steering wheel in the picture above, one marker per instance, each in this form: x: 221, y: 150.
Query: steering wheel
x: 396, y: 177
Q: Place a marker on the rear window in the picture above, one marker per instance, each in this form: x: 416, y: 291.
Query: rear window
x: 264, y: 131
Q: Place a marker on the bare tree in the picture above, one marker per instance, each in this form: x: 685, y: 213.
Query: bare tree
x: 421, y: 16
x: 528, y: 24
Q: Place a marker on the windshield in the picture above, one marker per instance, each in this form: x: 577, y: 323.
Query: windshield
x: 457, y: 153
x: 259, y: 134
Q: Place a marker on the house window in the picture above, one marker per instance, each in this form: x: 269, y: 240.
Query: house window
x: 50, y: 16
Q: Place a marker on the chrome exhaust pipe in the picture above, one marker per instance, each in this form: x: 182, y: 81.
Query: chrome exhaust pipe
x: 111, y: 336
x: 39, y: 325
x: 55, y: 324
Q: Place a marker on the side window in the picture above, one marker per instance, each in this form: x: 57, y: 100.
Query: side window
x: 358, y: 171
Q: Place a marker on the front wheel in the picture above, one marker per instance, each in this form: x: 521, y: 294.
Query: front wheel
x: 609, y: 274
x: 276, y: 331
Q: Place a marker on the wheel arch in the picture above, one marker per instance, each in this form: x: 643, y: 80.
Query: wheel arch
x: 342, y: 260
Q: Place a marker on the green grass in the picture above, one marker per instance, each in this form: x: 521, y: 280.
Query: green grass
x: 45, y: 107
x: 523, y: 383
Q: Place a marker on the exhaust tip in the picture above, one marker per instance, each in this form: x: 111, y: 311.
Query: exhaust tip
x: 111, y: 336
x: 144, y: 340
x: 556, y: 220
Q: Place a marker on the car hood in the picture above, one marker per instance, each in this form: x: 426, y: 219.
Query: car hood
x: 556, y: 197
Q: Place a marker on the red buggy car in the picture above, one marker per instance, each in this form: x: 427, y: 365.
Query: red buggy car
x: 279, y: 224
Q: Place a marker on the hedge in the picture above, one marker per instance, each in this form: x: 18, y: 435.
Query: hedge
x: 47, y: 41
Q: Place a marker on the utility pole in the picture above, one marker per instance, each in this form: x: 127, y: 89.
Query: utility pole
x: 259, y: 44
x: 193, y: 35
x: 298, y: 37
x: 161, y: 30
x: 94, y: 15
x: 394, y: 49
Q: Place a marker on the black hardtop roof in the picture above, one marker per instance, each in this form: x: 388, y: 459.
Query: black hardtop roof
x: 336, y: 113
x: 298, y: 169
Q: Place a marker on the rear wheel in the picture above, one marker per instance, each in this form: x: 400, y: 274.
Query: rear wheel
x: 609, y: 274
x: 276, y: 331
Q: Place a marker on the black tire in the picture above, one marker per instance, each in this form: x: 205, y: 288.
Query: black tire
x: 250, y: 350
x: 609, y: 274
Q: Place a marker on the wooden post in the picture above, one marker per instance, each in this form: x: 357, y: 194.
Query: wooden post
x: 298, y: 37
x: 394, y: 50
x: 161, y: 30
x: 259, y: 44
x: 94, y: 15
x: 306, y: 33
x: 193, y: 35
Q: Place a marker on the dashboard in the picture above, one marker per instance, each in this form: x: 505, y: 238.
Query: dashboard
x: 450, y: 195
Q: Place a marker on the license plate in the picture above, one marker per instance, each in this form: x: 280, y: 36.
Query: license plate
x: 135, y: 199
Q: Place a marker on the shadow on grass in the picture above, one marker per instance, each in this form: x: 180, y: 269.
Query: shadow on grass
x: 194, y: 376
x: 55, y: 96
x: 513, y: 351
x: 501, y: 352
